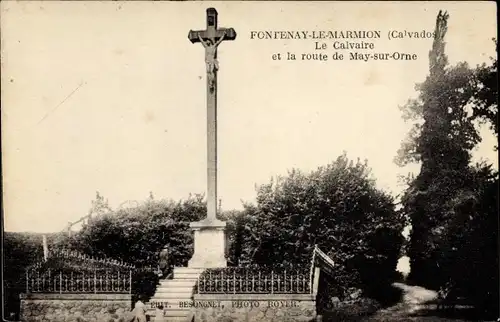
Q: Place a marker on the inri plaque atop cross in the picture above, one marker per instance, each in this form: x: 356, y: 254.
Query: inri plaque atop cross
x: 210, y: 39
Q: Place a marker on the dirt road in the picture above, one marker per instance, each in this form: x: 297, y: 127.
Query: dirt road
x: 411, y: 304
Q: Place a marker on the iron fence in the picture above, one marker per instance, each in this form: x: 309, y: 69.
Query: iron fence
x: 76, y: 256
x: 98, y: 281
x: 243, y: 281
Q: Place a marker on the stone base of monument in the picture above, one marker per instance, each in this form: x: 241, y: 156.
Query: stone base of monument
x: 209, y: 252
x: 209, y: 244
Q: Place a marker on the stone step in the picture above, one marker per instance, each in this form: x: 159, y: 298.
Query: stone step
x: 172, y: 295
x: 188, y: 270
x: 187, y: 276
x: 178, y: 282
x: 176, y: 286
x: 162, y: 290
x: 169, y: 295
x: 163, y: 298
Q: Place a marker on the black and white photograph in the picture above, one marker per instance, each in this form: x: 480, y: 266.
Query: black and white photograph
x: 267, y: 161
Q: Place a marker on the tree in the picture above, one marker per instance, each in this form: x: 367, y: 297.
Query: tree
x: 336, y: 207
x: 441, y: 142
x: 452, y: 205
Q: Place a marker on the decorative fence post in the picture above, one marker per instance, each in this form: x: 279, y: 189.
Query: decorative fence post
x: 124, y: 282
x: 284, y: 283
x: 278, y: 285
x: 234, y: 282
x: 272, y: 282
x: 260, y: 285
x: 60, y: 282
x: 311, y: 272
x: 95, y: 280
x: 265, y: 282
x: 222, y: 281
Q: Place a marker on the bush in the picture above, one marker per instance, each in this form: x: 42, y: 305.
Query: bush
x: 337, y: 207
x: 137, y: 235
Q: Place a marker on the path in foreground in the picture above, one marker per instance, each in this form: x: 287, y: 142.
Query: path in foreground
x: 412, y: 302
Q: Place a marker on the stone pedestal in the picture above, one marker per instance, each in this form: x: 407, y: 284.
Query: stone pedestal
x: 209, y: 244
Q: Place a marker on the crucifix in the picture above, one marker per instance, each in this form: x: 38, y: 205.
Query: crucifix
x: 211, y: 38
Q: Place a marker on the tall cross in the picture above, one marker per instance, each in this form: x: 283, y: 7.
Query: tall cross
x: 210, y: 39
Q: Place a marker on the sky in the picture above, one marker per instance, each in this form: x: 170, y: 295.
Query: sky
x: 110, y: 97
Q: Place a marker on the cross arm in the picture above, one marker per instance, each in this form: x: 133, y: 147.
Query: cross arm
x: 211, y: 34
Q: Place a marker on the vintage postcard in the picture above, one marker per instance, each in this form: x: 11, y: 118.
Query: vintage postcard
x: 249, y: 161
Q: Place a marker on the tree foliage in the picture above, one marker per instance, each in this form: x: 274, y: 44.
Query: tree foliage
x: 99, y: 206
x: 337, y: 207
x: 137, y: 235
x: 485, y: 98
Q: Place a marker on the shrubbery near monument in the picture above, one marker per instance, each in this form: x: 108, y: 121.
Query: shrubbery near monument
x: 337, y: 207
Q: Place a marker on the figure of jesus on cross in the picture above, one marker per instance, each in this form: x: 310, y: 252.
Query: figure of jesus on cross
x: 211, y: 38
x: 211, y: 52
